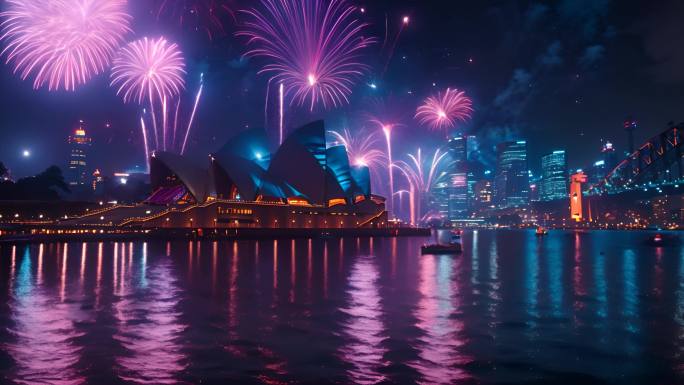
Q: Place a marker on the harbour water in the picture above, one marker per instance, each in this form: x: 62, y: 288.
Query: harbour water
x: 570, y: 307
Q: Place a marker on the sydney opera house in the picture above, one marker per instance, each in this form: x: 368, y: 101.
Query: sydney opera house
x: 303, y: 184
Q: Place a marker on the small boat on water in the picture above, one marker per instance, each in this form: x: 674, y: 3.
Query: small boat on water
x: 541, y: 231
x: 453, y: 247
x: 661, y: 240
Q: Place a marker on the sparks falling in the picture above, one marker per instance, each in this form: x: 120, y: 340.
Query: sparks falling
x: 313, y: 47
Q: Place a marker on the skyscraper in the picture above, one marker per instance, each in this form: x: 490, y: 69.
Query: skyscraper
x: 458, y: 178
x: 609, y: 156
x: 511, y: 183
x: 630, y: 125
x: 77, y: 169
x: 554, y: 176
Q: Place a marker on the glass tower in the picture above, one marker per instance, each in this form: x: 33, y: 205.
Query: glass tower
x: 554, y: 176
x: 511, y: 182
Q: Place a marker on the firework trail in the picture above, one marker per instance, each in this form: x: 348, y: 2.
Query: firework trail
x: 404, y: 23
x: 313, y: 47
x: 62, y: 43
x: 169, y: 140
x: 386, y: 128
x: 443, y: 110
x: 422, y: 175
x: 281, y: 99
x: 198, y: 15
x: 192, y: 114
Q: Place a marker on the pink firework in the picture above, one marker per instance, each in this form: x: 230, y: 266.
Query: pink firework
x: 62, y: 43
x: 206, y: 16
x: 444, y: 110
x: 148, y: 68
x: 421, y: 176
x: 314, y: 47
x: 363, y: 148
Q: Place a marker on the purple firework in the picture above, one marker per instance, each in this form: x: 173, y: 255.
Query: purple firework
x: 314, y: 47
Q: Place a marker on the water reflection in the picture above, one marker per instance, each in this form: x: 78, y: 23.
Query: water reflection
x: 149, y: 328
x: 438, y: 317
x: 44, y: 334
x: 578, y: 307
x: 364, y: 330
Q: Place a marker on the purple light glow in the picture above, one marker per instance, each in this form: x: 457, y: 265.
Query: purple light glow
x: 62, y: 43
x: 313, y: 47
x: 443, y: 110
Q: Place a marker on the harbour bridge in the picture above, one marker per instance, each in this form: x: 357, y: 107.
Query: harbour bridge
x: 654, y: 166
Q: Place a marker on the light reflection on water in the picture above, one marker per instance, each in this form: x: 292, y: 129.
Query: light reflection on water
x: 571, y: 306
x: 364, y: 330
x: 44, y: 347
x: 437, y: 317
x: 148, y: 328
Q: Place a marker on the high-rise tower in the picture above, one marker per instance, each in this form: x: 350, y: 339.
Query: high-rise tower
x: 630, y: 125
x: 79, y: 144
x: 554, y: 176
x: 511, y: 184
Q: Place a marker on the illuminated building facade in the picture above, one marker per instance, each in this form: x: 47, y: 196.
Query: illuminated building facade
x: 77, y: 168
x: 483, y: 194
x: 554, y: 182
x: 97, y: 181
x: 609, y: 156
x: 449, y: 198
x: 576, y: 181
x: 304, y: 184
x: 511, y: 183
x: 458, y: 178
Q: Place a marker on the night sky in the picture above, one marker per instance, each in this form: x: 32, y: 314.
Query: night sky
x: 563, y: 75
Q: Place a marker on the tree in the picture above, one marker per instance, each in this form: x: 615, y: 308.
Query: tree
x: 42, y: 187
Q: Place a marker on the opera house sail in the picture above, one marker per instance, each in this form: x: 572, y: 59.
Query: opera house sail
x: 303, y: 184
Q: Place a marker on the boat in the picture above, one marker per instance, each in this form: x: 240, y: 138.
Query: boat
x: 453, y: 247
x: 661, y: 240
x: 541, y: 231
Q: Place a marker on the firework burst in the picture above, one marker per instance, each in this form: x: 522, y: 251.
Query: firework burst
x: 363, y: 148
x: 422, y: 175
x: 443, y: 110
x: 314, y: 48
x: 62, y: 43
x: 148, y: 68
x: 198, y: 15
